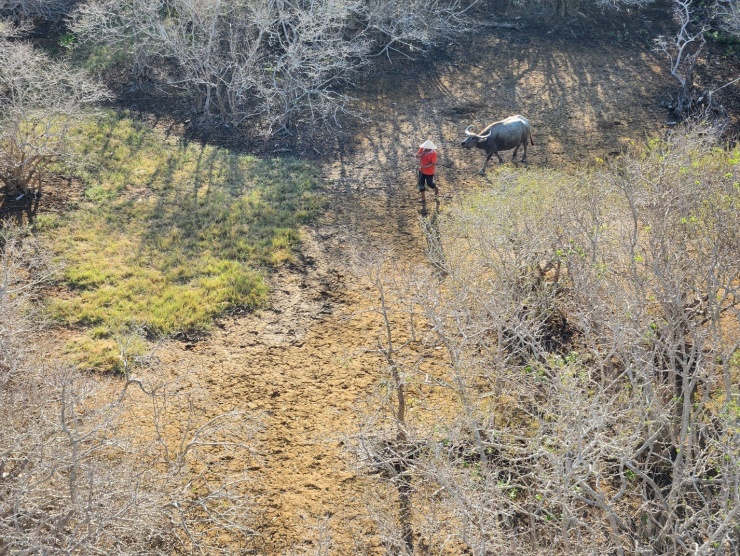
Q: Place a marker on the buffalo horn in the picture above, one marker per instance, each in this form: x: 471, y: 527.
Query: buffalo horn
x: 471, y: 134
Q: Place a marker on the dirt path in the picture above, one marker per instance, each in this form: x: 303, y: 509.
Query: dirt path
x: 303, y: 363
x: 301, y: 366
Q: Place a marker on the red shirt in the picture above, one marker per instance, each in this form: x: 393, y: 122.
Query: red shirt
x: 429, y: 157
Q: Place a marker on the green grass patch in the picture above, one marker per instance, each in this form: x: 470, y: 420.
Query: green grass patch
x: 172, y: 234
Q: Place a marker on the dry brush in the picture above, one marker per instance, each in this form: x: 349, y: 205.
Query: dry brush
x: 589, y: 325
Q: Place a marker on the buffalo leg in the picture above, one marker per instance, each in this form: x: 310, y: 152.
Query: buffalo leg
x: 485, y: 163
x: 524, y: 156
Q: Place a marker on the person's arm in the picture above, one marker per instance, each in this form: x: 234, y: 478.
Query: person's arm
x: 433, y: 161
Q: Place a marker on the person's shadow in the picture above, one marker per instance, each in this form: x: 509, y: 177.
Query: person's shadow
x: 430, y: 228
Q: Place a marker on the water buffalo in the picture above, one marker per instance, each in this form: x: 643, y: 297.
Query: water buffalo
x: 510, y: 133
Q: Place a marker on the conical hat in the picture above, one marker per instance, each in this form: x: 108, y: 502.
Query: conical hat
x: 427, y: 145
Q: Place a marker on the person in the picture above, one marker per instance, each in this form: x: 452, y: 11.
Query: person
x: 427, y: 157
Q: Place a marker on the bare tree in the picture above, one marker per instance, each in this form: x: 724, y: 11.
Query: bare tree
x: 46, y: 9
x: 236, y: 60
x: 107, y: 465
x: 314, y: 60
x: 281, y: 63
x: 389, y: 446
x: 319, y: 531
x: 25, y: 268
x: 404, y: 26
x: 570, y: 7
x: 590, y: 323
x: 728, y: 12
x: 124, y: 28
x: 193, y: 35
x: 682, y: 52
x: 41, y: 100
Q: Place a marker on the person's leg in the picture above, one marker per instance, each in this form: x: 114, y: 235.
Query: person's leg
x: 422, y: 189
x: 429, y: 179
x: 433, y: 185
